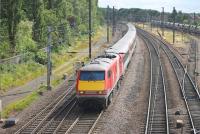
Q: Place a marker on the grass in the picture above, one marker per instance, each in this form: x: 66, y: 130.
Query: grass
x: 181, y: 39
x: 63, y: 63
x: 19, y: 105
x: 17, y: 75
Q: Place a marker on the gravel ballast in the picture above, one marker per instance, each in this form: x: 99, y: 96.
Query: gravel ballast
x: 128, y: 111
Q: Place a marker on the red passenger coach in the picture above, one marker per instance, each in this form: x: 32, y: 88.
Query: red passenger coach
x: 96, y: 81
x: 125, y: 46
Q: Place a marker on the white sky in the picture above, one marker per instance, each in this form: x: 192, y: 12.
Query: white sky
x: 184, y: 5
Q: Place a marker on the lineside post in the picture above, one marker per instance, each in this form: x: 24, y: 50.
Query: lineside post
x: 1, y: 110
x: 163, y: 13
x: 194, y: 18
x: 113, y: 30
x: 49, y: 65
x: 174, y: 20
x: 108, y: 38
x: 90, y: 29
x: 151, y: 21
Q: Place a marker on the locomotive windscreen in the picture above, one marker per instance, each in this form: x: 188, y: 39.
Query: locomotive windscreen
x: 92, y: 75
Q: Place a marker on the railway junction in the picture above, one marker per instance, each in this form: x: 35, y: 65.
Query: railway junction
x: 137, y: 82
x: 156, y: 95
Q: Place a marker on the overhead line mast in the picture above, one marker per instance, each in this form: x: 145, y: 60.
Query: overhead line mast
x: 174, y: 20
x: 49, y: 63
x: 107, y: 18
x: 114, y: 23
x: 163, y: 18
x: 90, y: 29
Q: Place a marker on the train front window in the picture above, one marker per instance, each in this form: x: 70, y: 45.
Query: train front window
x: 92, y: 75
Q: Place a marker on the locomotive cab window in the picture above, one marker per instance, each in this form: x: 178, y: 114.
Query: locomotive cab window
x: 92, y: 75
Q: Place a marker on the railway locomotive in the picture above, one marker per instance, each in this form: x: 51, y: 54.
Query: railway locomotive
x: 97, y: 80
x: 178, y: 26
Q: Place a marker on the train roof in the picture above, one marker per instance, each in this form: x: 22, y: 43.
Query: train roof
x: 122, y: 46
x: 101, y: 63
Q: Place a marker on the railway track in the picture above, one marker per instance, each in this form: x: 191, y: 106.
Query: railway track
x: 193, y: 60
x: 84, y: 123
x: 62, y: 116
x: 36, y: 122
x: 157, y: 118
x: 189, y: 91
x: 53, y: 121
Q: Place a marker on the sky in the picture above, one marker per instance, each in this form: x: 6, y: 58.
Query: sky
x: 188, y: 6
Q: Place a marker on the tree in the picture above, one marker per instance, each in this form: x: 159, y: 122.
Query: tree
x: 13, y: 18
x: 24, y: 41
x: 172, y: 15
x: 68, y: 17
x: 38, y: 7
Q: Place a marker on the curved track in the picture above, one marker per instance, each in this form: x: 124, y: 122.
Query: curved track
x: 189, y: 91
x: 157, y: 118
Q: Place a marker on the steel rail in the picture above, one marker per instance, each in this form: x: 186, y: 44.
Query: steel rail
x: 64, y: 110
x: 160, y: 84
x: 85, y: 123
x: 192, y: 105
x: 174, y: 62
x: 95, y: 123
x: 148, y: 113
x: 48, y: 110
x: 62, y: 122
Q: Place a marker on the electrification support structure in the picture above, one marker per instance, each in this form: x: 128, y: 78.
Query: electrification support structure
x: 194, y: 18
x: 163, y: 18
x: 114, y: 24
x: 49, y: 64
x: 174, y: 20
x: 108, y: 31
x: 90, y: 28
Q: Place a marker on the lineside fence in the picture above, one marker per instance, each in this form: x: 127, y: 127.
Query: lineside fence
x: 19, y: 58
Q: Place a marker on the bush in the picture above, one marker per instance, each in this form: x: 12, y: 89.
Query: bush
x: 41, y: 57
x: 4, y: 50
x: 7, y: 68
x: 24, y: 41
x: 13, y: 75
x: 28, y: 56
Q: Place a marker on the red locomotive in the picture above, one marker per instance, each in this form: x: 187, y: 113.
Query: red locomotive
x: 96, y: 80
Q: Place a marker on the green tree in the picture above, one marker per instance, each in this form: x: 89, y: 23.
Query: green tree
x: 68, y: 17
x: 14, y: 13
x: 24, y: 41
x: 38, y: 7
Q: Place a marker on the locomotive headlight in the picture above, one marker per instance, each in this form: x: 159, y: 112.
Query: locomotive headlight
x: 100, y: 92
x: 81, y: 92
